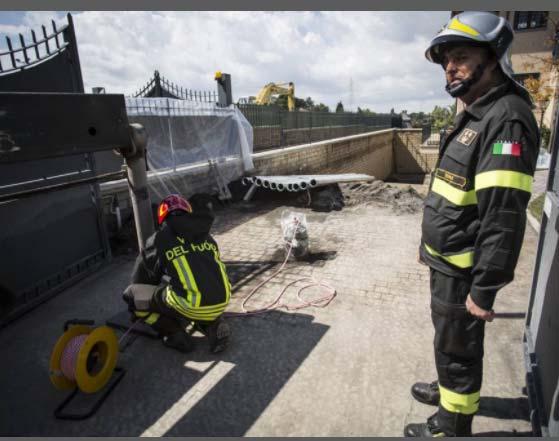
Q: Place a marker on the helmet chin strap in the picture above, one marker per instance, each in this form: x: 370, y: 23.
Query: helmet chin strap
x: 464, y: 86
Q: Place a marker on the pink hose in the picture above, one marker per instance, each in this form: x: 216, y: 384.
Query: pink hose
x: 320, y: 302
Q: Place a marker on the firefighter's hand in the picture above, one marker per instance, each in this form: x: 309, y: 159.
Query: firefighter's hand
x: 478, y: 312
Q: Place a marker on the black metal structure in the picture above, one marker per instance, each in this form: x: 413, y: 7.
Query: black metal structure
x: 49, y: 63
x: 224, y: 92
x: 160, y: 87
x: 50, y: 239
x: 542, y: 325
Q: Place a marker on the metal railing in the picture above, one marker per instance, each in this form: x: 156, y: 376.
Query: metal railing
x: 261, y: 116
x: 32, y: 53
x: 159, y: 86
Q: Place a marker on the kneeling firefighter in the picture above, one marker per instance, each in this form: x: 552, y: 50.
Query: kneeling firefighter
x: 179, y: 279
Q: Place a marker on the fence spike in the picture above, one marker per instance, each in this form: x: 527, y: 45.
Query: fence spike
x: 45, y: 36
x: 11, y: 50
x: 55, y: 34
x: 23, y: 48
x: 34, y: 37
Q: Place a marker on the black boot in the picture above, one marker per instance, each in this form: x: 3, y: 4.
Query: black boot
x: 218, y: 333
x: 442, y: 423
x: 427, y: 393
x: 180, y: 341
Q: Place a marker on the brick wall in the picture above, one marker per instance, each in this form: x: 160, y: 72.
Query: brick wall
x: 409, y: 156
x: 369, y: 153
x: 269, y: 137
x: 380, y: 154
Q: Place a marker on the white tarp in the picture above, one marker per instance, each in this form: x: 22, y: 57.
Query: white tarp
x: 182, y: 134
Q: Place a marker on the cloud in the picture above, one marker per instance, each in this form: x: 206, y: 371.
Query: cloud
x: 371, y: 59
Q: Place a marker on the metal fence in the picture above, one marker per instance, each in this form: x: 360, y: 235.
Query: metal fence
x: 261, y: 116
x: 30, y: 53
x: 159, y: 86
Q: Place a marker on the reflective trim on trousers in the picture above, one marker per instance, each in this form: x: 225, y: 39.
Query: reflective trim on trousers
x: 150, y: 318
x: 466, y: 404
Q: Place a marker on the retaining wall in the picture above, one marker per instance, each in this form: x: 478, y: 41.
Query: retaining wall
x: 380, y: 154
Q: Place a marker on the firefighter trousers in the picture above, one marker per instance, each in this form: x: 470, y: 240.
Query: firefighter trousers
x: 166, y: 320
x: 458, y: 346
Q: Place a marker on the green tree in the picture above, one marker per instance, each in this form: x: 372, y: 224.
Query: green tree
x: 339, y: 107
x: 321, y: 107
x: 309, y: 103
x: 442, y: 117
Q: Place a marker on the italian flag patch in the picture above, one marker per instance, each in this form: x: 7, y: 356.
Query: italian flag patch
x: 507, y: 148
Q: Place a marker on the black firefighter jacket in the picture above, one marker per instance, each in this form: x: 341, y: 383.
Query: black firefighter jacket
x: 475, y: 212
x: 184, y: 252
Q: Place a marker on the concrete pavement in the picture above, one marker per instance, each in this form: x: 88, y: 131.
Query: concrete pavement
x: 344, y: 370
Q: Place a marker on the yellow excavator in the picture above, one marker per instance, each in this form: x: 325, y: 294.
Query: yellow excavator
x: 265, y: 94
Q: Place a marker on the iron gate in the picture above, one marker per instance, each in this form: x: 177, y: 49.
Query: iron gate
x: 47, y: 240
x: 542, y: 325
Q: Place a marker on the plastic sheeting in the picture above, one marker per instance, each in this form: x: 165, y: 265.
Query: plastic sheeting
x: 183, y: 136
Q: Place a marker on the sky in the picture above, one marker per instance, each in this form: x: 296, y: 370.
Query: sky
x: 372, y: 59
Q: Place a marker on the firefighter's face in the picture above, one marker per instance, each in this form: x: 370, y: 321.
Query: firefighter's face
x: 460, y: 62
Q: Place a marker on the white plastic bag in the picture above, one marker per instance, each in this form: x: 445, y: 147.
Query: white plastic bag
x: 295, y: 233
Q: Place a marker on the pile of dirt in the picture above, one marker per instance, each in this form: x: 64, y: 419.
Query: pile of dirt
x: 402, y: 199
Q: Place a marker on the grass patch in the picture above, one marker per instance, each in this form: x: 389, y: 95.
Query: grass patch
x: 536, y: 207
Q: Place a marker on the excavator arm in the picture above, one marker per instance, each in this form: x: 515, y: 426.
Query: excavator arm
x: 265, y: 94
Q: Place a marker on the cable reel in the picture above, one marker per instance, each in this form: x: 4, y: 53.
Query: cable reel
x: 84, y: 359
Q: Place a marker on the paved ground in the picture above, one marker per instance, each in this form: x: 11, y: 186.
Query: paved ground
x: 344, y: 370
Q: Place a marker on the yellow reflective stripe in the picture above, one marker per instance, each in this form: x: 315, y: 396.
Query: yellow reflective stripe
x: 211, y: 307
x: 207, y: 317
x: 466, y: 404
x: 504, y: 178
x: 179, y: 302
x: 150, y: 319
x: 180, y: 273
x: 196, y: 297
x: 223, y: 276
x: 462, y: 260
x: 180, y: 305
x: 188, y: 282
x: 453, y: 194
x: 153, y: 317
x: 456, y: 25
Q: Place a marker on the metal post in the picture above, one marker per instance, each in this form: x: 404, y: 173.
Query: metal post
x: 137, y: 183
x: 224, y: 93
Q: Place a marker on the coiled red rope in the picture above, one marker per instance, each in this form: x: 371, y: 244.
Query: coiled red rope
x: 320, y: 302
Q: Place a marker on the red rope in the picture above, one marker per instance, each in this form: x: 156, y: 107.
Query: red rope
x: 320, y: 302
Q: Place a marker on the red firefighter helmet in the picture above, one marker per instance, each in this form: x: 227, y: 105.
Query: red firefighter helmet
x: 172, y: 203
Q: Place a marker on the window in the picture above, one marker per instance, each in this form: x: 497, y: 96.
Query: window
x: 524, y: 76
x: 530, y: 20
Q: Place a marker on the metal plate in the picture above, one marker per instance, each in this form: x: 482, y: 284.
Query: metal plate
x: 45, y: 125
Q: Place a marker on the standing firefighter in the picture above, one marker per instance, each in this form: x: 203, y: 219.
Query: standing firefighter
x: 183, y: 260
x: 475, y: 212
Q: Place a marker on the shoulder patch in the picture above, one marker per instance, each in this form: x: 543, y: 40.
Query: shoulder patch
x: 512, y: 148
x: 467, y: 136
